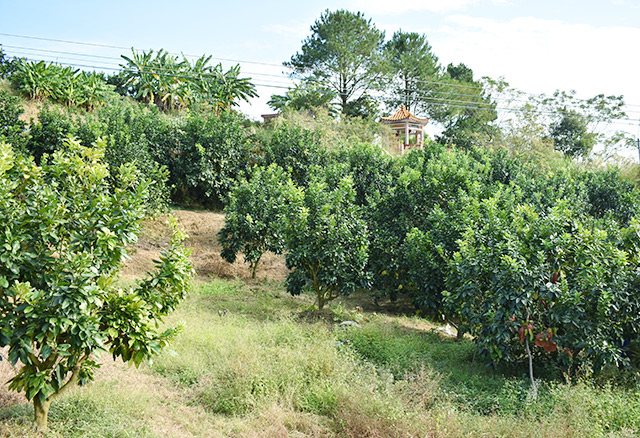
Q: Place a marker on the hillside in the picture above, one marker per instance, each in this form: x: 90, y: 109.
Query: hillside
x: 203, y: 228
x: 252, y: 361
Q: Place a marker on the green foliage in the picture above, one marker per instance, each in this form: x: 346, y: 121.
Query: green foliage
x: 570, y: 135
x: 125, y: 128
x: 343, y: 54
x: 609, y: 195
x: 256, y: 215
x: 556, y: 279
x: 7, y: 65
x: 66, y: 234
x: 327, y: 243
x: 11, y: 127
x: 415, y: 72
x: 471, y: 115
x: 331, y: 134
x: 173, y: 83
x: 205, y: 156
x: 296, y: 150
x: 122, y: 126
x: 576, y: 125
x: 48, y: 134
x: 371, y: 170
x: 364, y: 107
x: 65, y: 85
x: 429, y: 194
x: 306, y: 96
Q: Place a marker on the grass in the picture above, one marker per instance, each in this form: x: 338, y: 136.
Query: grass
x: 247, y: 365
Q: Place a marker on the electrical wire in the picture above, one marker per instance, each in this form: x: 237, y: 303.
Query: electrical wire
x: 451, y: 103
x: 576, y: 105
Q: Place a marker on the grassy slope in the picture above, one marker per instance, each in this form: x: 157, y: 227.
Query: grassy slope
x: 251, y: 362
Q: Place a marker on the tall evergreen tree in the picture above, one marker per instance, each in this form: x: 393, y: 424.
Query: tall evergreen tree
x: 342, y: 54
x: 415, y: 72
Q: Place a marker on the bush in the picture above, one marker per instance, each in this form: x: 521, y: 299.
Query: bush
x: 209, y: 156
x: 371, y: 170
x: 555, y: 280
x: 430, y: 187
x: 296, y: 150
x: 11, y: 127
x: 48, y: 134
x: 124, y: 127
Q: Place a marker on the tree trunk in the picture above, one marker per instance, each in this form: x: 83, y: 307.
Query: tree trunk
x: 254, y: 265
x: 41, y: 413
x: 321, y: 300
x: 534, y: 388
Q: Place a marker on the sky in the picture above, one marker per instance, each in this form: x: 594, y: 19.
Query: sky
x: 590, y: 46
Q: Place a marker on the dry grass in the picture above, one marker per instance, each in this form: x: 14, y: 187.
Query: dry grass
x: 31, y: 110
x: 203, y: 228
x: 171, y: 414
x: 7, y: 398
x: 305, y: 387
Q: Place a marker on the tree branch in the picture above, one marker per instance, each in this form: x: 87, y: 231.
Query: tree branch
x: 72, y: 381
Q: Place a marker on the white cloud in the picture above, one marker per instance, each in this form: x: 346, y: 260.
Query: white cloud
x: 538, y: 55
x: 387, y: 7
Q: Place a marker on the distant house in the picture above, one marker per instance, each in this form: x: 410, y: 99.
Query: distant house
x: 407, y: 126
x: 268, y: 118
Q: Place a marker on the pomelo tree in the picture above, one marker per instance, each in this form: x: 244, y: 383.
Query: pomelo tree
x: 255, y: 215
x: 65, y: 233
x: 327, y: 244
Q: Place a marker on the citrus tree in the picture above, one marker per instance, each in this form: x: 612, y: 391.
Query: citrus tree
x: 255, y: 215
x: 65, y: 232
x: 554, y: 285
x: 327, y: 243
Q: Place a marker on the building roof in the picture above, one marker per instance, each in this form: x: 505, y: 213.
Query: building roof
x: 403, y: 115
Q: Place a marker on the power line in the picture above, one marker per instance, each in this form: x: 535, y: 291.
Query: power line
x: 131, y: 48
x: 462, y: 86
x: 431, y: 101
x: 575, y: 104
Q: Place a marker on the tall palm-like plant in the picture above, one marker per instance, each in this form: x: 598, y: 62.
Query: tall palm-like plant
x: 137, y: 73
x: 231, y: 88
x: 171, y: 83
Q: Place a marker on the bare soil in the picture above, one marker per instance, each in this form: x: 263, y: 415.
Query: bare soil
x: 202, y: 228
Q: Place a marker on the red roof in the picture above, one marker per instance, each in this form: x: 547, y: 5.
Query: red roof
x: 402, y: 114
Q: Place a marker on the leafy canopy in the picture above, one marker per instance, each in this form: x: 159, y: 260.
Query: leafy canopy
x: 256, y: 213
x: 342, y: 54
x: 415, y: 72
x: 66, y: 232
x: 328, y: 242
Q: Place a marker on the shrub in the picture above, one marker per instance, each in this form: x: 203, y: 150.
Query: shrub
x: 49, y: 133
x: 552, y: 280
x: 11, y: 127
x: 296, y: 150
x: 209, y: 156
x: 370, y: 168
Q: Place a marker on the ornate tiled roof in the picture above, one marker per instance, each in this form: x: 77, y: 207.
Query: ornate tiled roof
x: 402, y: 114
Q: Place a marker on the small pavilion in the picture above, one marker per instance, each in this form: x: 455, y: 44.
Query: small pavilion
x: 406, y: 124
